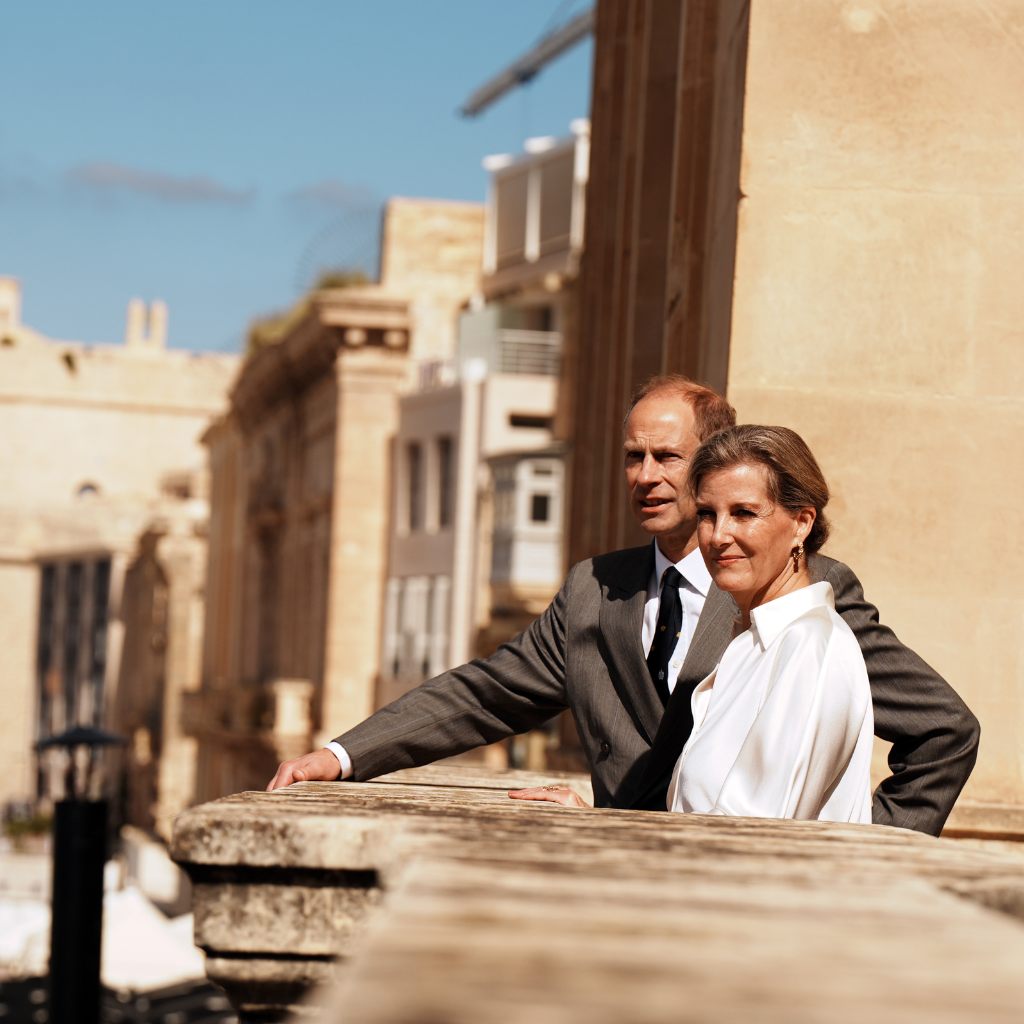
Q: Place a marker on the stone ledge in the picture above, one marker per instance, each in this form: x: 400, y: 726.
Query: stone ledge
x: 284, y: 882
x: 1003, y: 822
x: 484, y: 902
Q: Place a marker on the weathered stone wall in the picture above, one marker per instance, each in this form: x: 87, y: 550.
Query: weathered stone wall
x: 862, y: 161
x: 161, y: 614
x: 433, y: 255
x: 66, y: 410
x: 878, y: 311
x: 368, y: 419
x: 297, y: 543
x: 655, y: 277
x: 19, y: 593
x: 301, y: 499
x: 99, y: 445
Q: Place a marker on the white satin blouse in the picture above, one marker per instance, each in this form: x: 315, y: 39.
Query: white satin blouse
x: 782, y: 728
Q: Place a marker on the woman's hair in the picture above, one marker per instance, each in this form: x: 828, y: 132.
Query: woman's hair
x: 711, y: 412
x: 795, y: 480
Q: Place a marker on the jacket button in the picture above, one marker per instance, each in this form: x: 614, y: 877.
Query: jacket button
x: 605, y: 748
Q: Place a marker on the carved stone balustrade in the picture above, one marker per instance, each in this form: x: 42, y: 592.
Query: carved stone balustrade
x: 441, y: 900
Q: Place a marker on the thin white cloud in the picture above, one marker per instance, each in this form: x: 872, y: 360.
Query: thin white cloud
x: 336, y: 194
x: 112, y: 178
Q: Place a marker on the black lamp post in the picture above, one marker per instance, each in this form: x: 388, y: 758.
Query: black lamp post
x: 79, y: 854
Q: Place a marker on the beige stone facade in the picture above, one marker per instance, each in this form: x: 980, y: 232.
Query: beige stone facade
x: 878, y: 311
x: 301, y: 472
x: 440, y: 600
x: 476, y: 540
x: 818, y: 206
x: 102, y: 547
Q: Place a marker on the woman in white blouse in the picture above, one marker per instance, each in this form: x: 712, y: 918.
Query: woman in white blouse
x: 783, y: 725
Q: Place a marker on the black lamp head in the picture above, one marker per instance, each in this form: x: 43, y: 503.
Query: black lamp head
x: 82, y: 776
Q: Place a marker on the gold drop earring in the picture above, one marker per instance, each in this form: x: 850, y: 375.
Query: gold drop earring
x: 797, y: 555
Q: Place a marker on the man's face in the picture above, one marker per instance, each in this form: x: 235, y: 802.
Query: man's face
x: 659, y: 444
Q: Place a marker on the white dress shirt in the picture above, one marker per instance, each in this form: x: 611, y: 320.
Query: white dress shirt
x: 693, y: 591
x: 342, y: 755
x: 783, y: 727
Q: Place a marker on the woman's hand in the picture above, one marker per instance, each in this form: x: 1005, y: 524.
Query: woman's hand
x: 552, y: 794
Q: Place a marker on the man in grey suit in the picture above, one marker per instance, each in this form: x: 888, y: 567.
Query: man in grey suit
x: 628, y: 637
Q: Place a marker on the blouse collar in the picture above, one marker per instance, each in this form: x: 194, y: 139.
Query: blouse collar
x: 772, y: 618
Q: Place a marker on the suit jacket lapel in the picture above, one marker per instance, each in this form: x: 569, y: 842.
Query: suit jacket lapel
x: 710, y: 639
x: 621, y: 625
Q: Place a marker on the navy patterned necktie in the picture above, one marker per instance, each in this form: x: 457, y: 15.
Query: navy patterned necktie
x: 666, y: 634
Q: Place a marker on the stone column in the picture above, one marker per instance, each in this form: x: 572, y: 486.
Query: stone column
x: 463, y: 613
x: 292, y: 723
x: 19, y: 689
x: 656, y: 271
x: 367, y: 417
x: 182, y: 552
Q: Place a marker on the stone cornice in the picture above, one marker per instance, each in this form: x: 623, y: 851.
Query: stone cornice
x: 352, y: 319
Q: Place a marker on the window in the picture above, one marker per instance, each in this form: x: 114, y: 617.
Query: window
x: 71, y: 657
x: 98, y: 641
x: 518, y: 419
x: 540, y: 508
x: 504, y: 498
x: 47, y: 673
x: 414, y: 458
x: 416, y: 627
x: 539, y: 318
x: 72, y: 635
x: 446, y: 482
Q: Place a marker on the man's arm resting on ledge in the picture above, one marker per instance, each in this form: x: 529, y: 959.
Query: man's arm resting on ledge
x: 324, y: 765
x: 518, y: 688
x: 934, y: 736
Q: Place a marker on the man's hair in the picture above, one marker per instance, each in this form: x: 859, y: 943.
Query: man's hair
x: 795, y: 480
x: 711, y: 412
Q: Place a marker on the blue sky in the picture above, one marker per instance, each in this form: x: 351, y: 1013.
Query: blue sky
x: 215, y: 153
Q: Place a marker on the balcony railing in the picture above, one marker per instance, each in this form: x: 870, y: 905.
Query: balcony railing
x: 537, y: 352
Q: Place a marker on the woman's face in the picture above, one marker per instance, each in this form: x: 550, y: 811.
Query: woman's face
x: 746, y: 540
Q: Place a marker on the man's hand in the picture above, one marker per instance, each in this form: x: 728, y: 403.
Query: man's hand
x: 552, y: 794
x: 320, y: 766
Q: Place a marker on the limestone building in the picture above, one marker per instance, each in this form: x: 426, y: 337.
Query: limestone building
x: 301, y: 474
x: 465, y: 542
x: 102, y: 549
x: 476, y: 541
x: 817, y: 206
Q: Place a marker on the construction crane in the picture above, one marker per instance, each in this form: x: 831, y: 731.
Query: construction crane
x: 553, y: 45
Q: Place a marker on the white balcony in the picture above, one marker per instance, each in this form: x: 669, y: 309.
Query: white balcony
x: 534, y: 352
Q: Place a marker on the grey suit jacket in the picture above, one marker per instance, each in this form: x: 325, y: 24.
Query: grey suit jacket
x: 585, y: 653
